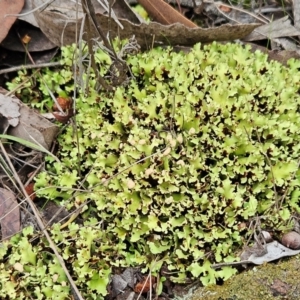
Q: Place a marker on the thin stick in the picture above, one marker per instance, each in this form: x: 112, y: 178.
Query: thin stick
x: 87, y: 6
x: 28, y: 67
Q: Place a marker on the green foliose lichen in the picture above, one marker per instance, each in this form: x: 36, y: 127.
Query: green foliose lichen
x: 172, y: 163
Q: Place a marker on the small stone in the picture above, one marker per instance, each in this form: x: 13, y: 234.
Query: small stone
x: 267, y: 236
x: 291, y: 240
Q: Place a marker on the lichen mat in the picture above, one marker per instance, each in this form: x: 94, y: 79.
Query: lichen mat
x: 216, y: 135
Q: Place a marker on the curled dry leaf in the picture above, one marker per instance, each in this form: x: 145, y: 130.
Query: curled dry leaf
x: 61, y: 29
x: 27, y: 15
x: 275, y: 29
x: 64, y: 103
x: 164, y: 13
x: 62, y: 117
x: 145, y: 285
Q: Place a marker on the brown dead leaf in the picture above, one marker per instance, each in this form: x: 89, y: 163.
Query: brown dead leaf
x: 8, y: 7
x: 60, y: 28
x: 30, y: 191
x: 63, y: 103
x: 62, y: 109
x: 62, y: 117
x: 273, y: 251
x: 165, y: 14
x: 145, y: 285
x: 9, y: 214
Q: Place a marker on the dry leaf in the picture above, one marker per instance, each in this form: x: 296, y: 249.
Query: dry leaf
x: 34, y: 128
x: 129, y: 276
x: 9, y: 110
x: 8, y: 8
x: 163, y: 13
x: 62, y: 117
x: 146, y: 285
x: 278, y: 28
x: 60, y: 27
x: 64, y: 103
x: 38, y: 41
x: 118, y: 284
x: 9, y: 214
x: 280, y: 56
x: 30, y: 191
x: 29, y: 125
x: 27, y: 15
x: 274, y: 250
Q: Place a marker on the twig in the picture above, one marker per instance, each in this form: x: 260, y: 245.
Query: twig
x: 31, y: 11
x: 89, y: 11
x: 266, y: 10
x: 28, y: 67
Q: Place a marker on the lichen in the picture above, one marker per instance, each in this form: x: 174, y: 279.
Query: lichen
x: 195, y: 145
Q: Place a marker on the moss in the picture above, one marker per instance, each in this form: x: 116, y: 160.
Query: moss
x: 258, y: 283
